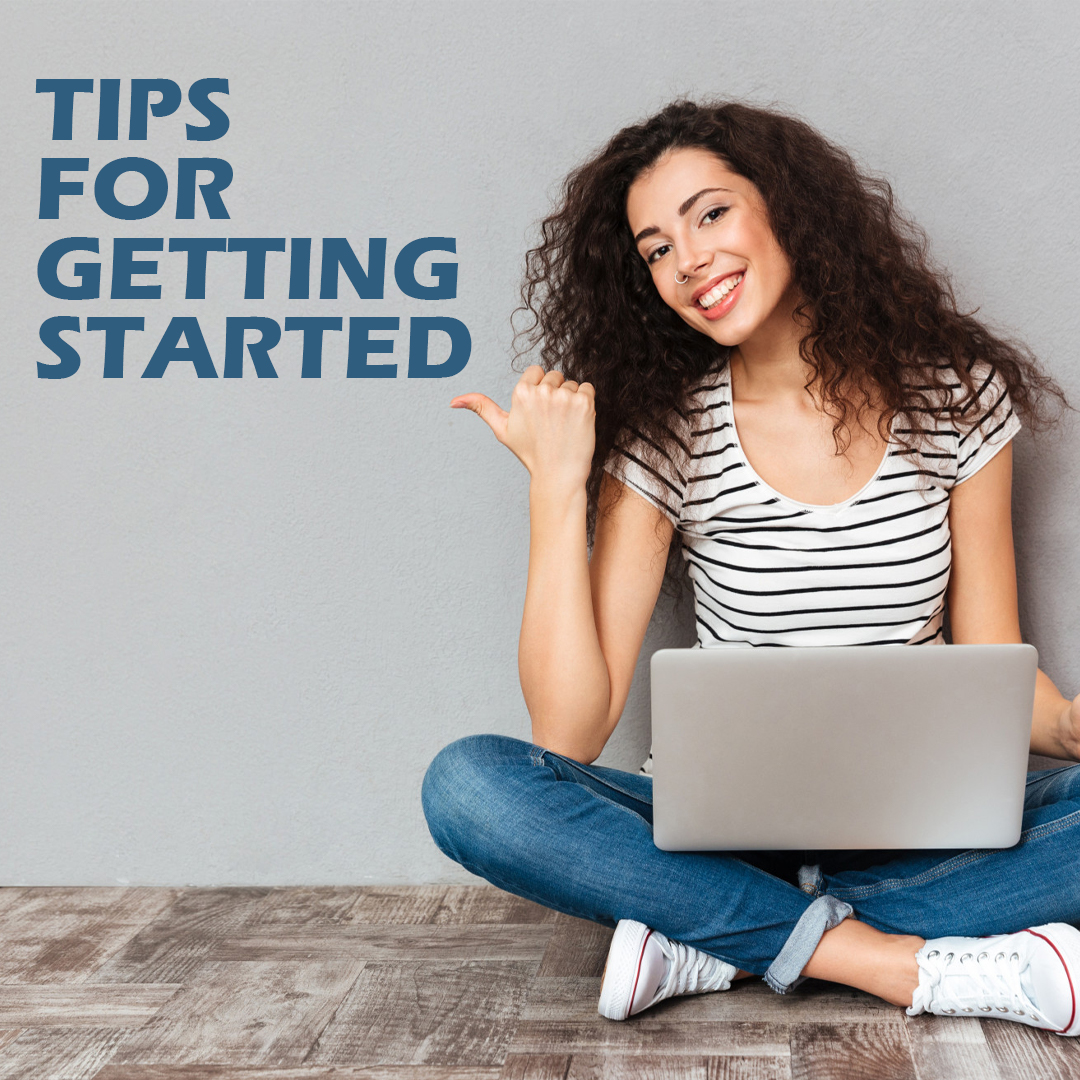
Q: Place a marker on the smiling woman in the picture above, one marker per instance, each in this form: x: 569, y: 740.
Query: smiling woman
x: 744, y: 344
x: 753, y: 273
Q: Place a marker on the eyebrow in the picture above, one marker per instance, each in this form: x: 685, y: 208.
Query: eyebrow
x: 682, y: 211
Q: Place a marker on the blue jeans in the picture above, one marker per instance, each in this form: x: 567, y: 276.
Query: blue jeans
x: 578, y: 838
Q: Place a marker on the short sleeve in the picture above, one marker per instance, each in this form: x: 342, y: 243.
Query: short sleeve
x: 988, y: 425
x: 650, y: 470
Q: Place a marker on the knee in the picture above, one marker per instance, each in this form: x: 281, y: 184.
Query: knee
x: 461, y: 785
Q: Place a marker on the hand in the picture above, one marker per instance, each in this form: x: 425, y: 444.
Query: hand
x: 551, y: 425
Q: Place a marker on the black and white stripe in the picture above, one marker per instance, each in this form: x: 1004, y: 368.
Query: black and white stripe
x: 769, y: 571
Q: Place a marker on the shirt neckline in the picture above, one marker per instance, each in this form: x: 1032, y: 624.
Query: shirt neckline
x: 827, y: 507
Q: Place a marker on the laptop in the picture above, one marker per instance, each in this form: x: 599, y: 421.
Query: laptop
x: 842, y: 747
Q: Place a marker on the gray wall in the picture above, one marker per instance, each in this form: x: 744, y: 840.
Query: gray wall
x: 240, y: 616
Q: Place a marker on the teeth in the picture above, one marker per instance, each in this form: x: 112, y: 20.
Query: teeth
x: 714, y: 296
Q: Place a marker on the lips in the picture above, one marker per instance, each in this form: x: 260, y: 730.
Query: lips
x: 719, y: 295
x: 712, y: 283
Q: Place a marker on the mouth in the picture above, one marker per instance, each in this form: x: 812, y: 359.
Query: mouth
x: 713, y: 296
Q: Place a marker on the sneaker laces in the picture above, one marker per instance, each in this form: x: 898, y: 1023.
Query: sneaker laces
x: 986, y: 982
x: 691, y: 971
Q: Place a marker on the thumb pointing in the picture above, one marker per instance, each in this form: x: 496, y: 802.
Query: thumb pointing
x: 488, y: 411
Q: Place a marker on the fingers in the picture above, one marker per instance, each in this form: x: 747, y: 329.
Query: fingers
x: 535, y: 376
x: 488, y: 411
x: 581, y: 388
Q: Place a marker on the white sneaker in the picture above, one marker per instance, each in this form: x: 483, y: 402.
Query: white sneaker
x: 644, y: 967
x: 1031, y: 977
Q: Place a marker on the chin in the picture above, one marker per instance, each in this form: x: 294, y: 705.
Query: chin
x: 728, y: 336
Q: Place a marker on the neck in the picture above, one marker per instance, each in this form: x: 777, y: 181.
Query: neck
x: 768, y: 364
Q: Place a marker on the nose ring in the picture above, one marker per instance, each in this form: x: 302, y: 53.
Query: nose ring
x: 684, y: 280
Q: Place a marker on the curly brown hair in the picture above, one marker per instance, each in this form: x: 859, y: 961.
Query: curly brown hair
x: 879, y: 316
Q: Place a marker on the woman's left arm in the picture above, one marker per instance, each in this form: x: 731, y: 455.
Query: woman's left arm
x: 982, y: 594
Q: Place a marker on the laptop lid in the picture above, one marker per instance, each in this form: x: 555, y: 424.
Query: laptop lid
x: 840, y: 747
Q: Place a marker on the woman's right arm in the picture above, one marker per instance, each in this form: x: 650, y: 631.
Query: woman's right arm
x: 584, y: 621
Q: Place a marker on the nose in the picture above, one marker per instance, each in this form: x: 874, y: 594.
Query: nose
x: 692, y: 261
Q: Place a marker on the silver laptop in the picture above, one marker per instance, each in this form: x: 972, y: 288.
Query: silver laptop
x: 844, y: 747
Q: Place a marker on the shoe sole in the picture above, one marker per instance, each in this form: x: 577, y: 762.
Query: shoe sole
x: 1065, y: 941
x: 623, y: 969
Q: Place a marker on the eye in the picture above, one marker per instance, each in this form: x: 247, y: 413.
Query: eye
x: 657, y: 254
x: 715, y: 214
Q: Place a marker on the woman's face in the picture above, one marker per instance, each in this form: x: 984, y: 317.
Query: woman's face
x: 692, y: 216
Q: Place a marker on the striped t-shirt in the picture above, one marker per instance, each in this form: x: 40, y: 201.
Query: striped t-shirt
x: 770, y: 571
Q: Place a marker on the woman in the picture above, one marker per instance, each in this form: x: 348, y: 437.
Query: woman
x: 743, y: 342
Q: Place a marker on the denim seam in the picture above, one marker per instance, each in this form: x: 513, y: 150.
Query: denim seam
x: 592, y: 776
x: 1045, y: 780
x: 958, y: 862
x: 1053, y: 772
x: 599, y: 794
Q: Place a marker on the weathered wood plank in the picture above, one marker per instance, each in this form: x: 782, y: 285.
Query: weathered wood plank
x: 61, y: 935
x: 397, y: 905
x: 750, y: 1068
x: 9, y: 1035
x: 1021, y: 1052
x: 852, y: 1052
x: 82, y: 1004
x: 177, y: 942
x: 749, y: 1000
x: 330, y: 1072
x: 258, y: 1013
x: 642, y: 1067
x: 648, y: 1034
x: 426, y: 1013
x: 10, y: 894
x: 637, y: 1067
x: 812, y: 1002
x: 577, y: 947
x: 70, y: 1053
x: 535, y: 1067
x: 299, y: 906
x: 391, y: 943
x: 469, y: 905
x: 952, y: 1048
x: 445, y: 905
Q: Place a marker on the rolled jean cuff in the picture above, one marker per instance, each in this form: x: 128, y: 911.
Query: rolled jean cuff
x: 785, y: 972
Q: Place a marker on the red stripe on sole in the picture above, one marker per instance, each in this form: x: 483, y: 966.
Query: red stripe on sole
x: 637, y: 974
x: 1068, y: 975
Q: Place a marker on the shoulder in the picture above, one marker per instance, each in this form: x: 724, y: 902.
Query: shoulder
x: 958, y: 421
x: 985, y: 421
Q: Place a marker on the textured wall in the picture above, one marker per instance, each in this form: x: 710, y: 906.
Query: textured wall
x: 239, y: 616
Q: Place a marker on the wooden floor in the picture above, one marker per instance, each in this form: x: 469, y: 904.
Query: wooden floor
x: 425, y: 983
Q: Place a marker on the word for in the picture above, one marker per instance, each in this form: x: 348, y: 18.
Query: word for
x: 336, y: 255
x: 195, y: 351
x: 53, y: 185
